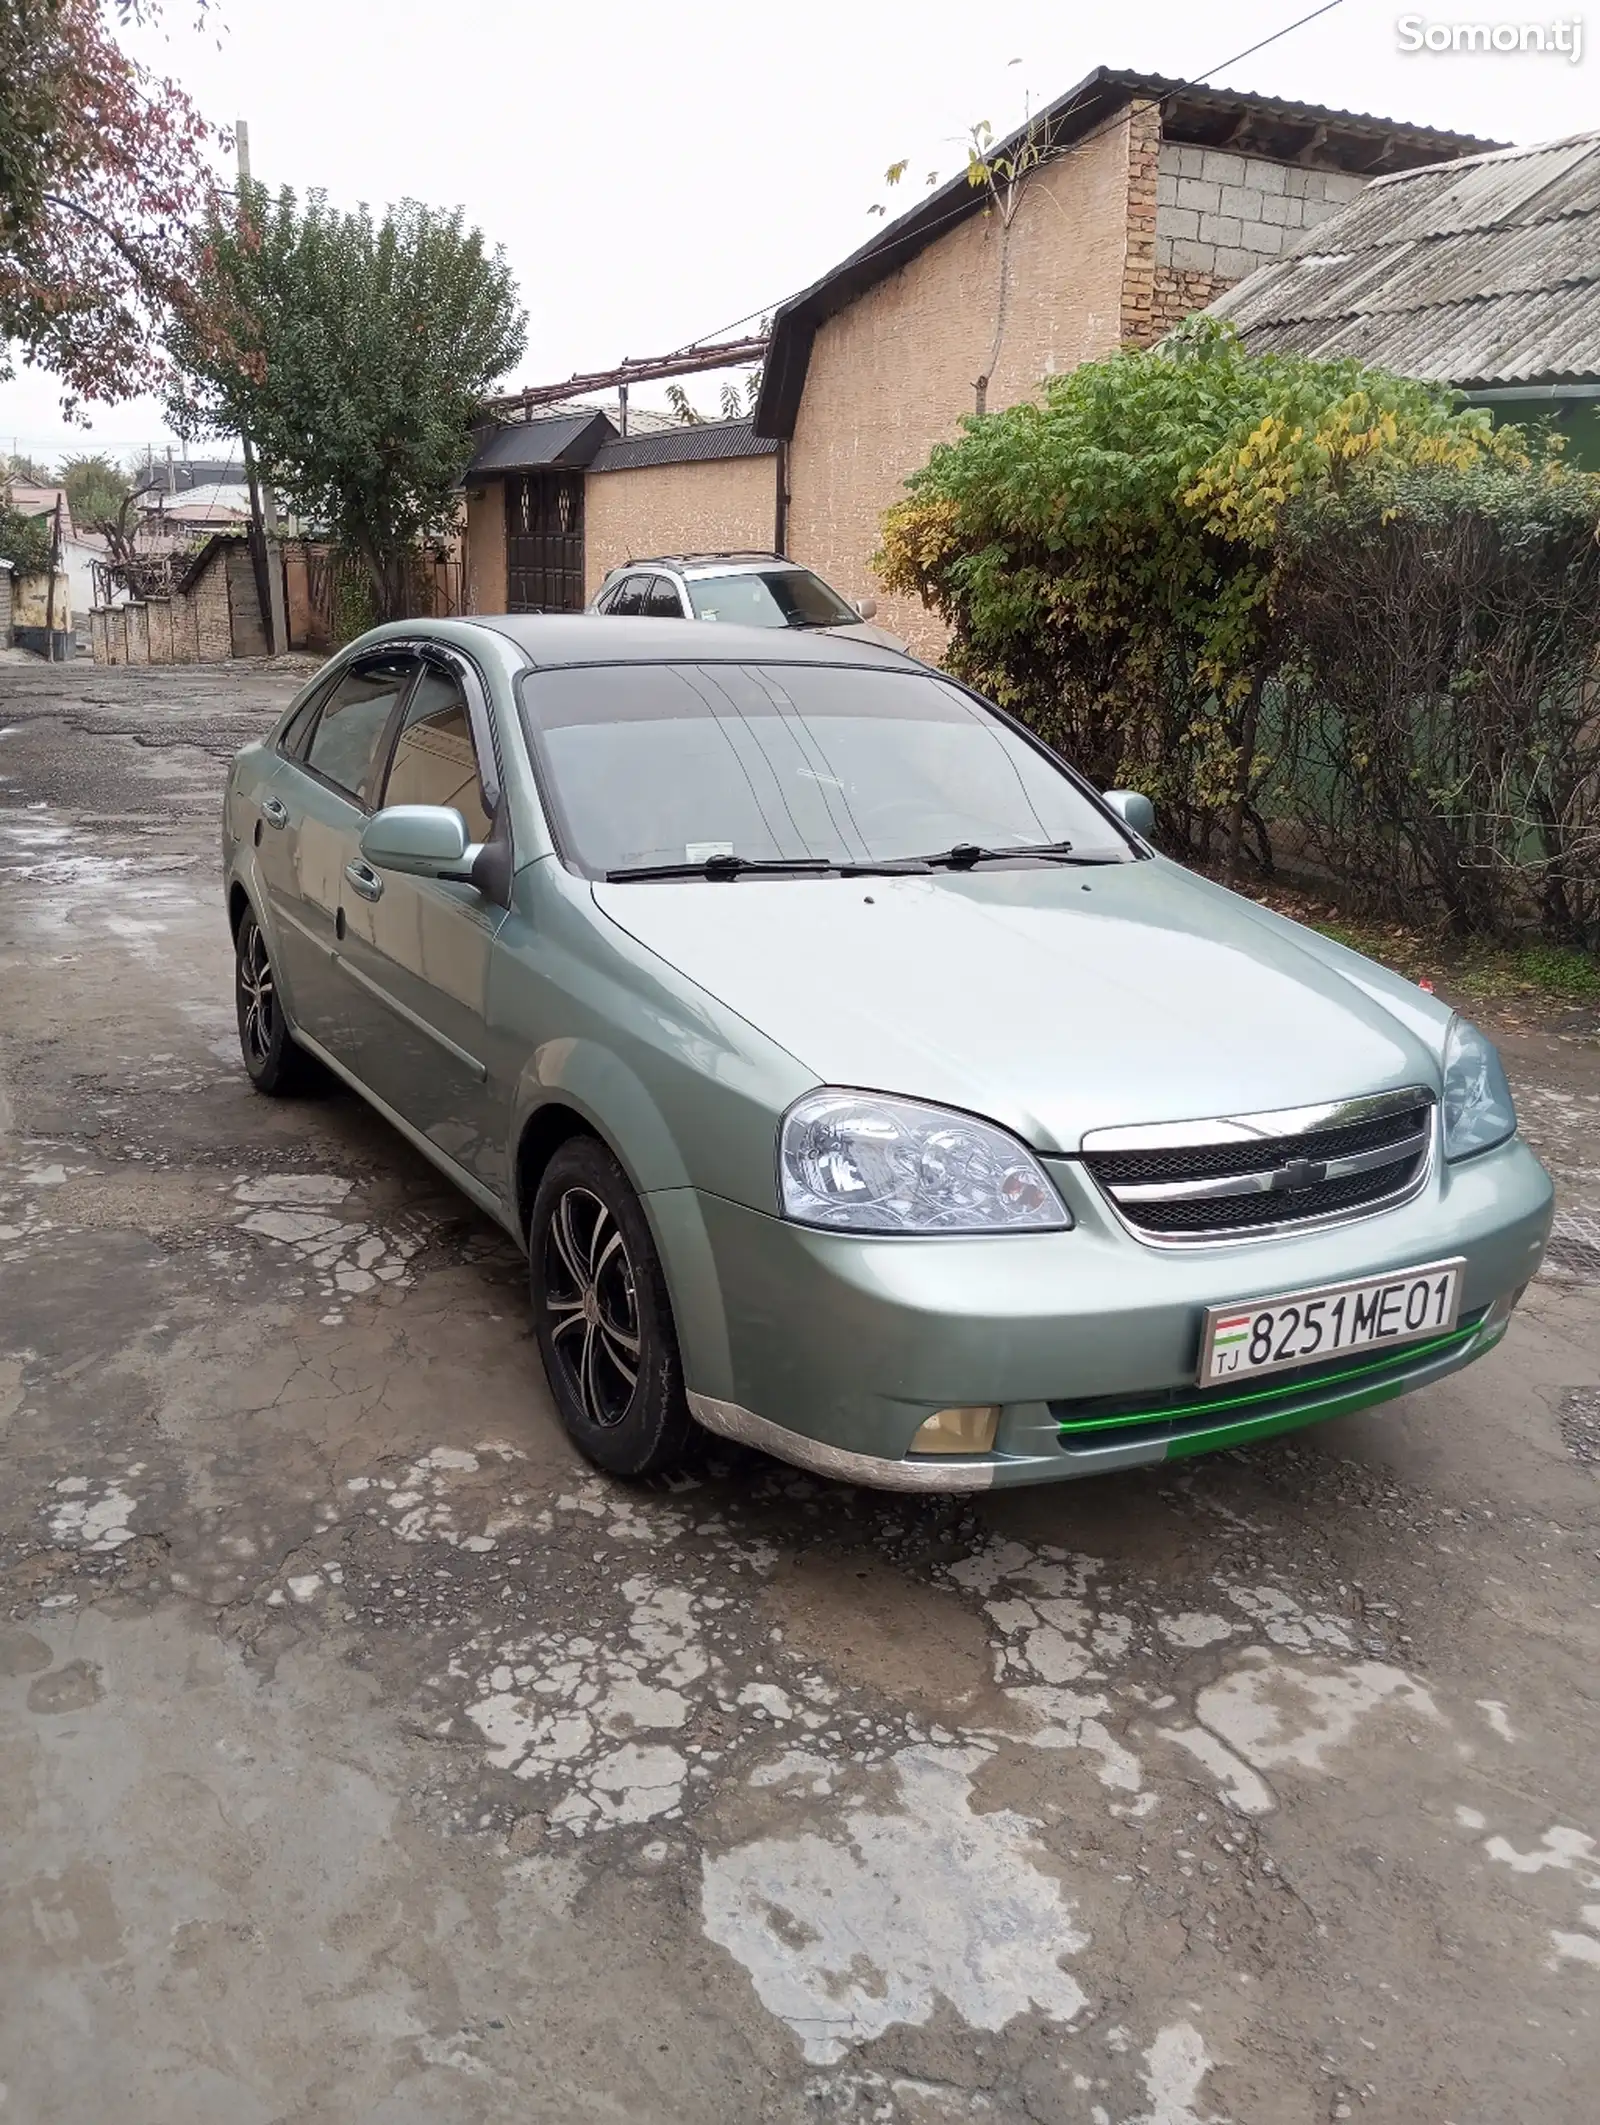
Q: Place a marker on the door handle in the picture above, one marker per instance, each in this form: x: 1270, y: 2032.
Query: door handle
x: 275, y: 812
x: 365, y: 879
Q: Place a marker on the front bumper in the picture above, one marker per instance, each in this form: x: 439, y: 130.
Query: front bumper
x: 831, y: 1350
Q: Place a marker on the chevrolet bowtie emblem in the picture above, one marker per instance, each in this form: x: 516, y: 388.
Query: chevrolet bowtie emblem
x: 1298, y: 1174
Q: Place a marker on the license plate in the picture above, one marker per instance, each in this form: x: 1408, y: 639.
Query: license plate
x: 1303, y: 1327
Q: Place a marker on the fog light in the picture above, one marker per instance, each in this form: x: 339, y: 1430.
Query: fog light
x: 958, y: 1431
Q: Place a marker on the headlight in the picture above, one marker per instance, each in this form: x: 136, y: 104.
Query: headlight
x: 1478, y: 1113
x: 873, y: 1164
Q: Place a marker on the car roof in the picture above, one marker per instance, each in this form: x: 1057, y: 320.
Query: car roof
x: 550, y: 639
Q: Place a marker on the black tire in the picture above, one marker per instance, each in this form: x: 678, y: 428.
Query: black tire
x: 603, y: 1319
x: 272, y: 1062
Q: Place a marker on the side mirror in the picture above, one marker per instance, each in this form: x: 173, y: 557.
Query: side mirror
x: 422, y: 840
x: 867, y: 607
x: 1136, y: 810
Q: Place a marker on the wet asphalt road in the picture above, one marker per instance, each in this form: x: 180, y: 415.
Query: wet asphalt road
x: 366, y: 1760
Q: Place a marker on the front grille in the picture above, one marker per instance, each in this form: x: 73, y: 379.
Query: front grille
x: 1184, y: 1191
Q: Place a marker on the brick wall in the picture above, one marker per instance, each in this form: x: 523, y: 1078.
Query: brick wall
x: 213, y: 622
x: 1139, y: 292
x: 893, y: 373
x: 723, y: 505
x: 486, y: 549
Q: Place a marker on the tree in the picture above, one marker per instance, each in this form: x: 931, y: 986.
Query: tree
x: 353, y: 352
x: 102, y: 166
x: 100, y: 496
x: 24, y: 540
x: 96, y: 490
x: 23, y: 467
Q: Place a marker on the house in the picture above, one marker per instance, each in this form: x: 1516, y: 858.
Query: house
x: 556, y: 500
x: 1143, y: 200
x: 1482, y: 273
x: 80, y: 550
x: 1150, y: 197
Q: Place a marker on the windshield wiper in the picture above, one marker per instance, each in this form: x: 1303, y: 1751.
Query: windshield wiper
x: 966, y: 853
x: 725, y: 867
x: 779, y: 866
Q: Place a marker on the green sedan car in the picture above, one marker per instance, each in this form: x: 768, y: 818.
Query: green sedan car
x: 861, y: 1084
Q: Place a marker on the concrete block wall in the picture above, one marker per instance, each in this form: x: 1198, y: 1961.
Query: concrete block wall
x: 1220, y: 214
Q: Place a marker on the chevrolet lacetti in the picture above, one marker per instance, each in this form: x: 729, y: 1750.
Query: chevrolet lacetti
x: 860, y: 1083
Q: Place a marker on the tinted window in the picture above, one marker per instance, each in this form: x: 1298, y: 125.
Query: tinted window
x: 770, y: 597
x: 293, y: 741
x: 662, y: 601
x: 630, y: 594
x: 344, y: 746
x: 674, y: 763
x: 435, y: 761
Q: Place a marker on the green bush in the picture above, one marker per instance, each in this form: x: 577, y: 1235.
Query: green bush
x: 24, y: 540
x: 1152, y: 567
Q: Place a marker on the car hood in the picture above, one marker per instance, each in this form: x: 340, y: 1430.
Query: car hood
x: 1054, y: 1000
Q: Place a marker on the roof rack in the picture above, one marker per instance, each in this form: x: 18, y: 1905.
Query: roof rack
x: 690, y: 559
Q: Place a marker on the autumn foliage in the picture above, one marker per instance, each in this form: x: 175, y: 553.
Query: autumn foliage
x: 1278, y: 595
x: 103, y: 165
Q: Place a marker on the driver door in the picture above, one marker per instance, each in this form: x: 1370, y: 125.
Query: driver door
x: 418, y: 949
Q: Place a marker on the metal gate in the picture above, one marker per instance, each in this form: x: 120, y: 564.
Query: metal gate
x: 544, y: 542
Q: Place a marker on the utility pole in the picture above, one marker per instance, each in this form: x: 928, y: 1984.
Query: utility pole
x: 50, y: 595
x: 263, y: 505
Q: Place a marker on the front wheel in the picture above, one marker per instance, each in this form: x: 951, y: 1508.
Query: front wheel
x: 274, y: 1064
x: 602, y: 1316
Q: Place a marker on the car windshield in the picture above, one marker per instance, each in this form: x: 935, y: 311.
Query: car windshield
x: 682, y: 764
x: 770, y: 597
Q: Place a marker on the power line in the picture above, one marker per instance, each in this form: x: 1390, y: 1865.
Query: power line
x: 1123, y: 111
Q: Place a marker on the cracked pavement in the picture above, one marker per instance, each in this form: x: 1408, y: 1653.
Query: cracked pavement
x: 365, y: 1759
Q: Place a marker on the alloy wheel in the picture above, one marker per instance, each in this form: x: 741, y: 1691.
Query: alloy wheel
x: 258, y: 998
x: 593, y: 1303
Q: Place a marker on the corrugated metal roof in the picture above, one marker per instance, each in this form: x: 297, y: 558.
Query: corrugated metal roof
x: 696, y: 443
x: 527, y: 446
x: 1476, y: 273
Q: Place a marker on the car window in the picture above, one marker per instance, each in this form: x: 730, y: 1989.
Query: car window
x: 345, y: 745
x: 770, y: 597
x: 606, y: 602
x: 298, y: 731
x: 675, y: 763
x: 435, y: 760
x: 630, y: 595
x: 662, y: 601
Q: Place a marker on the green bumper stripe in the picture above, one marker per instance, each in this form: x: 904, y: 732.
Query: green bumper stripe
x: 1312, y: 1396
x: 1243, y: 1429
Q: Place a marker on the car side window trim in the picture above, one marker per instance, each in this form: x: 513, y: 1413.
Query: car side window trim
x: 485, y: 738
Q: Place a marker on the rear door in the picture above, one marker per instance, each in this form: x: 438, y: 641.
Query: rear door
x: 312, y: 817
x: 418, y: 950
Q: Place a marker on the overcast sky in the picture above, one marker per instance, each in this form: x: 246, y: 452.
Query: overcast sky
x: 656, y: 173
